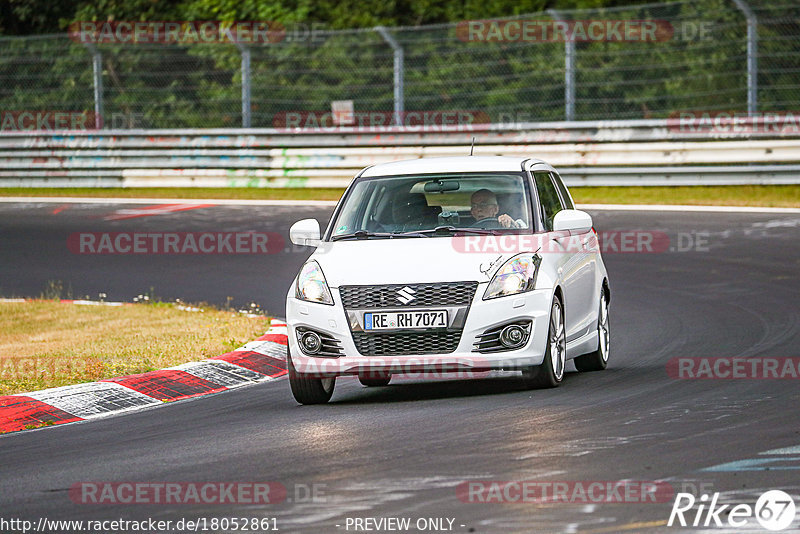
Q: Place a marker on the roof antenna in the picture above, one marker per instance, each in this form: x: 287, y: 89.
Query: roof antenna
x: 471, y: 148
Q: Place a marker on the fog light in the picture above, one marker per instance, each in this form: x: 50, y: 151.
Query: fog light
x: 311, y: 343
x: 512, y: 336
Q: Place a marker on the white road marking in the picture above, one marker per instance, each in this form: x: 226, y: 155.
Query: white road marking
x: 267, y: 348
x: 220, y: 372
x: 93, y: 399
x: 785, y: 450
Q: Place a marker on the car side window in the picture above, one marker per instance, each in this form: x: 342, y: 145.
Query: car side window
x: 563, y: 190
x: 548, y: 198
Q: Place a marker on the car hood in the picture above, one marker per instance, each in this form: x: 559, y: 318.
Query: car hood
x: 404, y: 261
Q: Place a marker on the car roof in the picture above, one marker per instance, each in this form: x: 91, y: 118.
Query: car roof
x: 451, y: 164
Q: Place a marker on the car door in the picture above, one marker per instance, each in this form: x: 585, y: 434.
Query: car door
x: 573, y: 265
x: 587, y: 284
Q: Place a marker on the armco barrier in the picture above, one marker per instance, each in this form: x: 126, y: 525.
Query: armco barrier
x: 650, y: 152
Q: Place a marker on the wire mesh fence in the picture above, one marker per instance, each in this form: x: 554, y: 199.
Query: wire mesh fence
x: 646, y: 61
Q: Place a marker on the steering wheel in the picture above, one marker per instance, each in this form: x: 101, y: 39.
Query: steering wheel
x: 489, y: 223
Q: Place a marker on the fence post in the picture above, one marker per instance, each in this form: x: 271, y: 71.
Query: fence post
x: 569, y: 71
x: 97, y: 80
x: 399, y: 74
x: 245, y: 51
x: 752, y: 56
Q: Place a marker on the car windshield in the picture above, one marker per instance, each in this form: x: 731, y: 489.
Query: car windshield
x: 434, y: 204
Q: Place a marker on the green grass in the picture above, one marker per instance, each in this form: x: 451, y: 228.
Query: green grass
x: 725, y: 195
x: 47, y: 343
x: 784, y: 196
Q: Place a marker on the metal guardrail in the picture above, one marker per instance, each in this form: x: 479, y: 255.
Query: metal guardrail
x: 647, y: 152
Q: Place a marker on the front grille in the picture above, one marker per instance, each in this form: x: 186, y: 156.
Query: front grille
x: 424, y: 295
x: 387, y: 344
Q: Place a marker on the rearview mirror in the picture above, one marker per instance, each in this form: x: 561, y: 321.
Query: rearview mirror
x: 572, y: 221
x: 305, y: 233
x: 439, y: 186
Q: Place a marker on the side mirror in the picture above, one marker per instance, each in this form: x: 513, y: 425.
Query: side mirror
x: 305, y: 233
x: 572, y: 222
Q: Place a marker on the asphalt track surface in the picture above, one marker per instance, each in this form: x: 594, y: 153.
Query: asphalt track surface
x: 401, y: 451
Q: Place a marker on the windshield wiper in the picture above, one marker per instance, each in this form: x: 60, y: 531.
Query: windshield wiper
x: 445, y: 230
x: 362, y: 234
x: 454, y: 230
x: 412, y: 233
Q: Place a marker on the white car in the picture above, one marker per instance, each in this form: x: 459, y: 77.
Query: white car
x: 448, y: 265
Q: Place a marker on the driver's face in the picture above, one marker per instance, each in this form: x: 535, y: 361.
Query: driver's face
x: 484, y: 205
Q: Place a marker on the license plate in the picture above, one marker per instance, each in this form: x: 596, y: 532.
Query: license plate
x: 403, y: 320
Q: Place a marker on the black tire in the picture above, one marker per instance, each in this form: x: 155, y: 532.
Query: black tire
x: 309, y: 389
x: 551, y: 372
x: 375, y: 380
x: 598, y: 360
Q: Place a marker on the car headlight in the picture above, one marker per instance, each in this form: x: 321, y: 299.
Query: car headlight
x: 311, y: 285
x: 518, y: 275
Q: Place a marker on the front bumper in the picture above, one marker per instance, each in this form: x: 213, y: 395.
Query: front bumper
x: 533, y: 306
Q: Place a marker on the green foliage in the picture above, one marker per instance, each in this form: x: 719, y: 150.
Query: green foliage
x: 199, y: 85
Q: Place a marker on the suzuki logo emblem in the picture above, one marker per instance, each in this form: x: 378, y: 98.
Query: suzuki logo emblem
x: 406, y: 295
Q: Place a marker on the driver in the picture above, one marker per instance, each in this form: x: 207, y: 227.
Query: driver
x: 485, y: 209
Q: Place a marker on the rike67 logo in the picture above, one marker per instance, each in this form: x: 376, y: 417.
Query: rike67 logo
x: 774, y: 510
